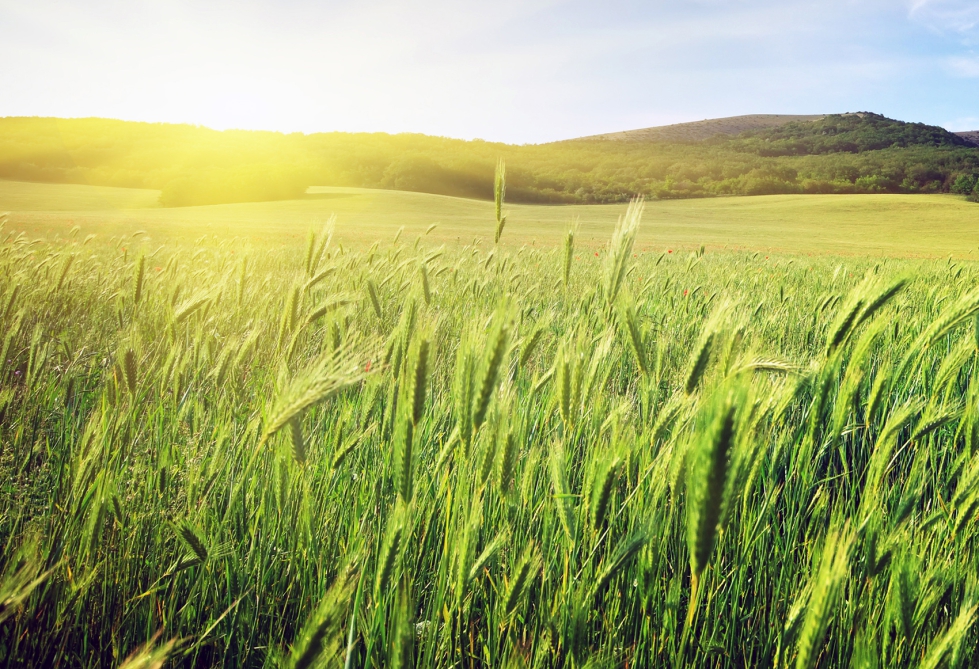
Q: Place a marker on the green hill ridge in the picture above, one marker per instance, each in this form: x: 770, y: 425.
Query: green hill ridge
x: 191, y: 165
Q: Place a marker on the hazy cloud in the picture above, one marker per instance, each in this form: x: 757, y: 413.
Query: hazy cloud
x: 516, y: 70
x: 964, y: 123
x: 964, y: 66
x: 960, y: 16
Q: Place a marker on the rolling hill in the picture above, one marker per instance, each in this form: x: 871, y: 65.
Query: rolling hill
x: 903, y: 226
x: 696, y: 131
x: 969, y: 135
x: 768, y: 155
x: 731, y: 126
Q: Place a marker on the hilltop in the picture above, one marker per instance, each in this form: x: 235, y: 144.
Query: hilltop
x: 757, y: 124
x: 696, y: 131
x: 770, y: 154
x: 969, y: 135
x: 848, y: 133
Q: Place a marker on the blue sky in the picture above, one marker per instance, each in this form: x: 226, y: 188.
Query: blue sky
x: 508, y: 70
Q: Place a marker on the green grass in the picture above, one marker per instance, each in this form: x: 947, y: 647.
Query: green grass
x: 22, y: 196
x: 866, y: 225
x: 299, y: 454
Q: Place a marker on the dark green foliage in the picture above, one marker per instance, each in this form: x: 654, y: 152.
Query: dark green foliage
x: 845, y: 133
x: 965, y: 184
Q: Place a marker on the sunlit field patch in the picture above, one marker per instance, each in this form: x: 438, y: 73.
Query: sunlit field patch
x: 879, y: 226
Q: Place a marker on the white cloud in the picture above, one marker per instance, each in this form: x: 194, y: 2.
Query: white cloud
x: 964, y: 66
x: 963, y: 124
x: 960, y: 16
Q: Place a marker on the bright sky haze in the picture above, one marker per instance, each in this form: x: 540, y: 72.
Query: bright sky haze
x: 522, y: 71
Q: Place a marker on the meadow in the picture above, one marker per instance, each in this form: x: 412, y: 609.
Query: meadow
x: 897, y: 226
x: 402, y: 446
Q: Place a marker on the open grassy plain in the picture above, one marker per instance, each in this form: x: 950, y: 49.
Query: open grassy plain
x: 867, y: 225
x: 293, y: 448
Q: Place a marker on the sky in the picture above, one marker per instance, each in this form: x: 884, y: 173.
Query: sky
x: 519, y: 71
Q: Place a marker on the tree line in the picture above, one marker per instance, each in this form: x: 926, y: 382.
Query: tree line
x: 190, y: 165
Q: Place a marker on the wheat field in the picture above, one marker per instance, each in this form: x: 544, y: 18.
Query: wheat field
x: 411, y: 454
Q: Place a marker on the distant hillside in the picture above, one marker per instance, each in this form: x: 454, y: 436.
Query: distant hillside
x: 846, y: 133
x: 696, y: 131
x: 836, y: 153
x: 970, y: 136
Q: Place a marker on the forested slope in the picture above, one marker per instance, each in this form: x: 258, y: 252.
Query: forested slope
x: 853, y: 153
